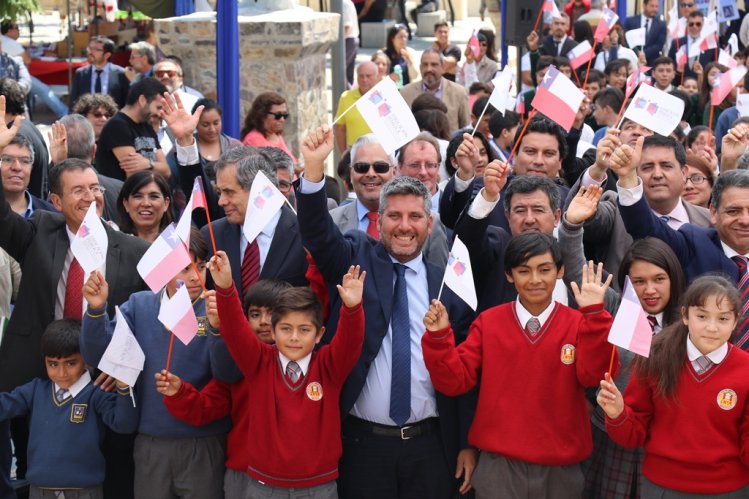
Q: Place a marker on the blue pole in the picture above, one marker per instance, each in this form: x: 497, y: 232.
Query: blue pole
x: 227, y: 64
x: 183, y: 7
x: 503, y: 21
x: 621, y: 10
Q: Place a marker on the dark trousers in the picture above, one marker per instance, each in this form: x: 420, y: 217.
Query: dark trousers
x: 351, y: 50
x: 6, y: 459
x: 385, y: 467
x: 120, y: 467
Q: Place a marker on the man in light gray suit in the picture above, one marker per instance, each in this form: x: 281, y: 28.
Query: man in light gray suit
x: 370, y: 168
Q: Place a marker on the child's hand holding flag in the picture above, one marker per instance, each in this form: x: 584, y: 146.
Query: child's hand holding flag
x: 220, y: 270
x: 436, y: 318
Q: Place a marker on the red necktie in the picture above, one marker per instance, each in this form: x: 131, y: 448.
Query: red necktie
x: 653, y: 322
x: 73, y: 308
x: 250, y: 266
x: 372, y: 228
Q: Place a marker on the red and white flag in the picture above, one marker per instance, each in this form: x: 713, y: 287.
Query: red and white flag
x: 558, y: 98
x: 177, y: 315
x: 580, y: 54
x: 681, y: 56
x: 473, y: 42
x: 459, y: 275
x: 733, y: 44
x: 607, y: 21
x: 520, y: 104
x: 726, y: 59
x: 197, y: 200
x: 723, y: 84
x: 165, y: 258
x: 264, y: 202
x: 636, y: 78
x: 551, y: 6
x: 631, y: 329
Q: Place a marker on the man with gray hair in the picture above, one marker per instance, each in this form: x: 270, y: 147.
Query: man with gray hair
x: 432, y: 81
x: 142, y: 59
x: 370, y: 169
x: 16, y: 163
x: 284, y: 168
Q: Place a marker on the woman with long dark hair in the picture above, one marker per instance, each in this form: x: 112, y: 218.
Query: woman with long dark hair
x: 263, y: 125
x: 145, y: 205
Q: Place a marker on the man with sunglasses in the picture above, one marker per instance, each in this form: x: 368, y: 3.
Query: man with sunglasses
x: 100, y: 76
x: 370, y: 168
x: 169, y: 73
x: 695, y: 22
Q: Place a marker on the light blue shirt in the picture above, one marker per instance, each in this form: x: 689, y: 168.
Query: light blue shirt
x: 361, y: 214
x: 263, y: 239
x: 104, y: 78
x: 30, y: 208
x: 373, y: 403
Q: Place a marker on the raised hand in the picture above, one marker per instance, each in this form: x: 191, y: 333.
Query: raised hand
x: 734, y: 143
x: 315, y: 148
x: 495, y: 179
x: 610, y: 398
x: 96, y: 290
x: 624, y: 162
x: 211, y: 308
x: 467, y: 157
x: 436, y: 317
x: 582, y: 113
x: 604, y: 150
x: 7, y: 134
x: 532, y: 41
x: 220, y: 269
x: 58, y: 142
x: 178, y: 119
x: 593, y: 287
x: 584, y: 204
x: 351, y: 288
x: 167, y: 383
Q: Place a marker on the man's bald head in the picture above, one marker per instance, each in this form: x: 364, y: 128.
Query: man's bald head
x: 366, y: 76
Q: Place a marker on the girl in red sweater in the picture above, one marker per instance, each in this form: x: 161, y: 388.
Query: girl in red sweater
x: 687, y: 403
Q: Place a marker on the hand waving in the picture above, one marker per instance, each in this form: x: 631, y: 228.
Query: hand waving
x: 593, y: 287
x: 351, y: 288
x: 178, y: 119
x: 584, y: 204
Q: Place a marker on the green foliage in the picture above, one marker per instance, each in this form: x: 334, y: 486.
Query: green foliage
x: 18, y: 9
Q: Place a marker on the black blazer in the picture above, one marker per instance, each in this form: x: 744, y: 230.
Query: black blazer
x: 705, y: 57
x: 547, y: 47
x: 656, y: 36
x: 40, y: 245
x: 118, y: 84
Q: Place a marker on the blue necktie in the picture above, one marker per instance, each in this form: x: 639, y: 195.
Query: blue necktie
x: 400, y: 382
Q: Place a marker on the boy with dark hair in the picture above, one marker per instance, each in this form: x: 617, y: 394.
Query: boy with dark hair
x: 67, y: 418
x: 561, y: 350
x: 503, y: 128
x: 295, y: 413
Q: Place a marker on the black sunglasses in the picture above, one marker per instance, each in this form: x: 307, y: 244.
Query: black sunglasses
x: 379, y: 167
x: 278, y: 116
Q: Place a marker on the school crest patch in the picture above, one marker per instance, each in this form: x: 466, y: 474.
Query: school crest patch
x: 202, y: 325
x: 727, y: 399
x: 78, y: 413
x: 314, y: 391
x: 568, y: 354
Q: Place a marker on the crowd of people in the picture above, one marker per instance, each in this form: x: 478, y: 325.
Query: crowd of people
x: 330, y: 360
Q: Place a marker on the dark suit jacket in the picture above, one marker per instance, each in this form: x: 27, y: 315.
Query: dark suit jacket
x: 705, y: 57
x: 286, y: 259
x: 698, y: 248
x: 333, y: 253
x: 40, y: 245
x: 118, y: 85
x: 112, y: 192
x: 655, y: 39
x: 547, y: 47
x: 40, y: 204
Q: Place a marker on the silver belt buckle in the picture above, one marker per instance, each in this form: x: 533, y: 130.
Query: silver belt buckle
x: 403, y: 435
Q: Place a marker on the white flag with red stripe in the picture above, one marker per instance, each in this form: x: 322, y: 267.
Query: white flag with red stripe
x: 177, y: 315
x: 726, y: 59
x: 607, y: 21
x: 636, y: 78
x: 723, y: 85
x: 558, y: 98
x: 580, y: 54
x: 631, y: 329
x: 197, y: 200
x: 551, y: 6
x: 264, y: 202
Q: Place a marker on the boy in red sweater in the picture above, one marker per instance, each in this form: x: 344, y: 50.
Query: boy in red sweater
x: 294, y: 414
x: 528, y: 352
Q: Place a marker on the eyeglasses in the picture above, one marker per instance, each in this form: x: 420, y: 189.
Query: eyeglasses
x: 170, y: 73
x: 6, y: 159
x: 284, y: 185
x: 278, y: 116
x: 686, y: 5
x: 696, y: 179
x: 428, y: 165
x: 80, y: 192
x: 379, y: 167
x: 101, y: 115
x: 692, y: 25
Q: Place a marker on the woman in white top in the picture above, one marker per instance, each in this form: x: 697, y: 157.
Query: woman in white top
x: 614, y: 47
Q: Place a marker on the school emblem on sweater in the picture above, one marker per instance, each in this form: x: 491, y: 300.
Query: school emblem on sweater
x: 568, y: 354
x: 78, y: 413
x: 727, y: 399
x: 314, y: 391
x: 202, y: 325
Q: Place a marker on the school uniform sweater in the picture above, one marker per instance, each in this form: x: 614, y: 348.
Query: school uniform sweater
x: 531, y: 404
x: 65, y: 439
x: 697, y: 442
x: 190, y: 362
x: 294, y: 429
x: 215, y: 401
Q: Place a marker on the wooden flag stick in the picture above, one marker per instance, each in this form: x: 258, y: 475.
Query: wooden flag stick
x: 611, y: 362
x: 169, y: 354
x: 520, y: 137
x: 587, y: 71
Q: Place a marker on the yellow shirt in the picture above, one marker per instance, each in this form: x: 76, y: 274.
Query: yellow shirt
x: 353, y: 121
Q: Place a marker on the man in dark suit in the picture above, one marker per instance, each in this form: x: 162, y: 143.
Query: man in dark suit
x: 400, y: 437
x: 695, y: 23
x: 700, y: 250
x: 558, y: 43
x: 100, y: 76
x: 655, y: 29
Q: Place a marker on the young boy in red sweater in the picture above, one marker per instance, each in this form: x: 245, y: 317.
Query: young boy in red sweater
x: 294, y: 434
x: 529, y: 353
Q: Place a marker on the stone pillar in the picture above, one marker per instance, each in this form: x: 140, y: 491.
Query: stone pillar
x: 282, y: 51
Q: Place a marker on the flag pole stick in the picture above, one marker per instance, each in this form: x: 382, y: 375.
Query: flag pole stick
x: 585, y: 83
x: 620, y: 116
x: 442, y: 286
x: 347, y: 110
x: 208, y: 217
x: 473, y: 132
x: 574, y: 72
x: 611, y: 362
x: 520, y: 137
x: 538, y: 17
x: 169, y: 354
x: 710, y: 122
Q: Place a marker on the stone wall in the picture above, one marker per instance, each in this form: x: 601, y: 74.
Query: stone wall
x: 282, y: 51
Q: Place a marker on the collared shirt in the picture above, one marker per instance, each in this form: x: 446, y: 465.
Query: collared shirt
x: 677, y: 217
x: 716, y: 356
x: 373, y: 403
x: 659, y: 320
x: 361, y: 216
x: 524, y: 316
x: 437, y: 93
x: 436, y: 200
x: 104, y: 78
x: 730, y: 252
x: 643, y: 20
x: 561, y: 44
x: 264, y: 239
x: 629, y: 196
x: 303, y: 363
x: 29, y: 205
x: 79, y: 385
x: 62, y: 283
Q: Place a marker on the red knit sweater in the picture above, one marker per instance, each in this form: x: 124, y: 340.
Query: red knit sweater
x: 293, y: 432
x: 692, y: 444
x: 531, y: 403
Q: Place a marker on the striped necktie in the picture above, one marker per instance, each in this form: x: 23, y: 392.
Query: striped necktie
x: 250, y: 266
x: 533, y: 326
x: 741, y: 333
x: 293, y: 371
x: 400, y: 382
x: 702, y: 364
x: 61, y: 394
x: 653, y: 321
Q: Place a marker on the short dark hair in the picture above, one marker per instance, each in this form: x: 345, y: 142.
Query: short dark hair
x: 663, y: 60
x: 561, y: 60
x: 198, y: 244
x: 596, y: 76
x: 108, y: 43
x: 441, y: 24
x: 344, y: 169
x: 694, y: 133
x: 298, y: 300
x: 615, y: 65
x: 479, y: 105
x: 544, y: 62
x: 69, y: 165
x: 526, y: 184
x: 499, y: 122
x: 523, y: 247
x: 610, y: 96
x: 668, y: 143
x: 207, y: 104
x: 150, y: 88
x: 7, y: 25
x: 542, y: 124
x: 731, y: 178
x: 61, y: 339
x: 133, y: 184
x: 479, y: 86
x: 696, y: 13
x: 264, y: 293
x: 15, y: 100
x: 427, y: 101
x: 91, y: 102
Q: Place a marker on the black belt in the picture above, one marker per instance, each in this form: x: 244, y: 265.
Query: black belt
x: 406, y: 432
